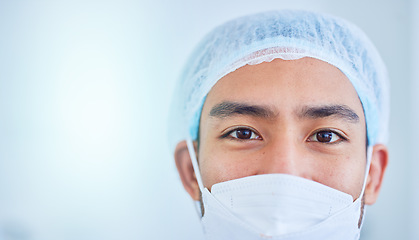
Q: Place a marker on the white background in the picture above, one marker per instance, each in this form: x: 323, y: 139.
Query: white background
x: 85, y: 88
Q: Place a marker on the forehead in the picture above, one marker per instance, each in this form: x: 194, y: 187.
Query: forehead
x: 285, y: 86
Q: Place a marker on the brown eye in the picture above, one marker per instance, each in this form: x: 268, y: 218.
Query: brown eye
x: 325, y: 136
x: 244, y: 134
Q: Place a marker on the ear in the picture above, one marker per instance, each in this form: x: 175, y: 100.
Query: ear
x: 379, y: 161
x: 186, y: 171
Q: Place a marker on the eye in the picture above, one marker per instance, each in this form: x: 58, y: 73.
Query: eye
x: 243, y: 134
x: 326, y: 136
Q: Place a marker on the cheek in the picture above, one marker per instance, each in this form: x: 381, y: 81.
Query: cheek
x: 346, y: 174
x: 217, y: 165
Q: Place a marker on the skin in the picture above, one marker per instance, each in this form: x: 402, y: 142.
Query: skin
x: 301, y: 117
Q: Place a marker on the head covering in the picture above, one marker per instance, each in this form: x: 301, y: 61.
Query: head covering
x: 289, y: 35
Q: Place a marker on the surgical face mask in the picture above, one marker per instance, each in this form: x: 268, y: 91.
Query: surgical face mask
x: 277, y: 206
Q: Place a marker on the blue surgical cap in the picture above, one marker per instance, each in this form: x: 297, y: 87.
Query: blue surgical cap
x: 288, y: 35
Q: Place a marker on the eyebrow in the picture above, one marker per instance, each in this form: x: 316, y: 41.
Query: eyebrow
x: 340, y: 111
x: 228, y: 109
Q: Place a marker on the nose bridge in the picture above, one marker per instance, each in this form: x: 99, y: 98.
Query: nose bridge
x: 283, y: 155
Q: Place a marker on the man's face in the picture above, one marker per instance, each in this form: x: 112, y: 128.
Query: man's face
x: 300, y: 117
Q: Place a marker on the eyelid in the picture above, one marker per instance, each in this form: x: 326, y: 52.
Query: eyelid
x: 226, y: 133
x: 340, y: 134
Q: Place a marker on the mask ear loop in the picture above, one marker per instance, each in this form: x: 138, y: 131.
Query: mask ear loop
x: 367, y: 170
x: 194, y: 160
x: 192, y: 154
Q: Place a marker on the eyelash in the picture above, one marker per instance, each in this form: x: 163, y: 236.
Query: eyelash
x: 253, y: 132
x: 340, y: 135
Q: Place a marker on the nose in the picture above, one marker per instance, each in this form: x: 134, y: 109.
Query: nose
x: 284, y: 155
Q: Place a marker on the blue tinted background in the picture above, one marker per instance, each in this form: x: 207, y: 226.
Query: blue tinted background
x: 85, y: 90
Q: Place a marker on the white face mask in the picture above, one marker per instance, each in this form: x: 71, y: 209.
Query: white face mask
x: 277, y: 206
